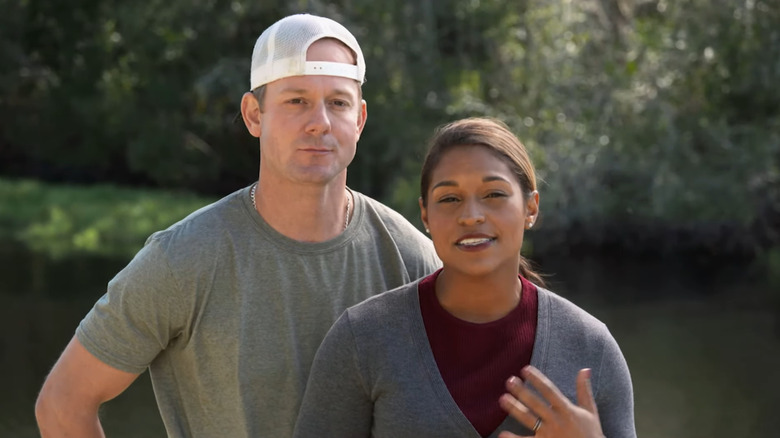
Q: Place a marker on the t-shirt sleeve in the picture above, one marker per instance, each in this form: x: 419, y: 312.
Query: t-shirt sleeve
x: 337, y: 400
x: 614, y: 393
x: 419, y: 255
x: 139, y: 315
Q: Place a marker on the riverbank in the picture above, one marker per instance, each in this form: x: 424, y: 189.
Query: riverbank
x: 105, y: 220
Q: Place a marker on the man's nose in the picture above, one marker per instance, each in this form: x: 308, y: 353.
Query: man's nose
x: 319, y: 119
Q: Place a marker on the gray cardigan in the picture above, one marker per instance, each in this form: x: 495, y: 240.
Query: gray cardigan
x: 375, y: 374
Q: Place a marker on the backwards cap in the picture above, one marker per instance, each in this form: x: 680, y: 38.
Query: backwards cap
x: 280, y: 51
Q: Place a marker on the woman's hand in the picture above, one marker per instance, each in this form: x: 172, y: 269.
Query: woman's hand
x: 552, y: 415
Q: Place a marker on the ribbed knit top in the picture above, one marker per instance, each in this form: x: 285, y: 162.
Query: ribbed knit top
x: 475, y: 360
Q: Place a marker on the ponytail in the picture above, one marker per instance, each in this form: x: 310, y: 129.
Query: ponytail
x: 529, y: 274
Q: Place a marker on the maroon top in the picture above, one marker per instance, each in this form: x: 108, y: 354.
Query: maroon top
x: 475, y: 360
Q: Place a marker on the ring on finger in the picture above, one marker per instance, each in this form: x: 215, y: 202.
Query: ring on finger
x: 537, y: 424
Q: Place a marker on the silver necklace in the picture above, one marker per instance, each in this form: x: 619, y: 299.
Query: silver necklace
x: 349, y: 203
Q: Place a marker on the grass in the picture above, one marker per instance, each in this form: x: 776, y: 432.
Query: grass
x: 61, y: 220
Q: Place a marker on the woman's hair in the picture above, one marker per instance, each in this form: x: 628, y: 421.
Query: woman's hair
x: 495, y: 136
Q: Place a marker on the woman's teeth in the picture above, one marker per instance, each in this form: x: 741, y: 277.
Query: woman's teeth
x: 474, y: 241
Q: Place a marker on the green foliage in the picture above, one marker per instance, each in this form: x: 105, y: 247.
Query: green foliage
x: 664, y: 116
x: 105, y: 220
x: 643, y: 116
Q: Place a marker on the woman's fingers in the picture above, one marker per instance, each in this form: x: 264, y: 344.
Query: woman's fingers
x: 585, y: 392
x: 553, y: 396
x: 546, y: 406
x: 523, y: 404
x: 511, y: 403
x: 519, y: 412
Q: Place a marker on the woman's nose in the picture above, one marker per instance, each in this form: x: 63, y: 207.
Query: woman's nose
x: 471, y: 213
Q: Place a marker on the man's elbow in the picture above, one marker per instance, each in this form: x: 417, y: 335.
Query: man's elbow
x: 57, y: 414
x: 44, y: 410
x: 47, y: 410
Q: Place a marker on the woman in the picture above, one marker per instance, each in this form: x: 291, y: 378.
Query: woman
x: 438, y: 357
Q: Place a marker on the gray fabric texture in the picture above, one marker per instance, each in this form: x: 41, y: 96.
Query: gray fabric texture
x: 227, y: 314
x: 375, y: 375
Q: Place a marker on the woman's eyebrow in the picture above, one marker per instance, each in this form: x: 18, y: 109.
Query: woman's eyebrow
x: 450, y: 183
x: 445, y: 183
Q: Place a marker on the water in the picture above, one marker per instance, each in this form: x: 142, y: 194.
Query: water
x: 702, y: 343
x: 41, y: 303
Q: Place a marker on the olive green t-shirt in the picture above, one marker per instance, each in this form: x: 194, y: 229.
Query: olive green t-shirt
x: 227, y: 314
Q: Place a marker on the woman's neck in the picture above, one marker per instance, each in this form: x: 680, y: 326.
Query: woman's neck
x: 478, y: 299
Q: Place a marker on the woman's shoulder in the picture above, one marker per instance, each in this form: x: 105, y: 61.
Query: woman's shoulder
x: 570, y: 324
x: 376, y: 325
x: 569, y: 338
x: 395, y: 303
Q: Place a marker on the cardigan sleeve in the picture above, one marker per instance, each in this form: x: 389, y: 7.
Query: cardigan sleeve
x: 614, y: 393
x: 337, y: 401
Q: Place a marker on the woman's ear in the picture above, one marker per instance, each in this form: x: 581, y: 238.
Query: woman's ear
x: 531, y: 209
x: 423, y: 214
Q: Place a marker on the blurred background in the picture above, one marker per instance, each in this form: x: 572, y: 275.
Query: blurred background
x: 655, y: 126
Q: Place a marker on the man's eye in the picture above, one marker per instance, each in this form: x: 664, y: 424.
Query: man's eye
x: 341, y: 103
x: 296, y: 100
x: 495, y: 195
x: 446, y: 199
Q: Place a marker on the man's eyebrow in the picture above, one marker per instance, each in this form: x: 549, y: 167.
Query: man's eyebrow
x: 343, y: 92
x: 304, y: 91
x: 293, y: 91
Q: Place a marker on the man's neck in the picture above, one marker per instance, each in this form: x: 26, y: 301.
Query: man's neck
x: 307, y: 213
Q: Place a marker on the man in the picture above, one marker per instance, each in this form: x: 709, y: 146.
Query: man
x: 227, y: 307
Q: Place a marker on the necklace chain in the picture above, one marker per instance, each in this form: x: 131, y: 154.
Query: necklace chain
x: 346, y: 218
x: 349, y: 203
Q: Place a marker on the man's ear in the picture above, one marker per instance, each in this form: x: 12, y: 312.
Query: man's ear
x: 362, y: 116
x: 250, y: 112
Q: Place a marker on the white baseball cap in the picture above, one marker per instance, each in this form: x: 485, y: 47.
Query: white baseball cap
x: 280, y: 51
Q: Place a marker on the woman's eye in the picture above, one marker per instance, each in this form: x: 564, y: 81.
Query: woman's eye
x: 296, y: 100
x: 496, y: 195
x: 448, y: 199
